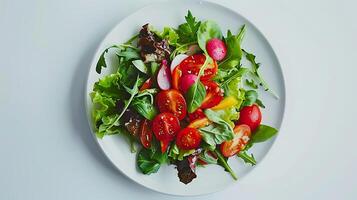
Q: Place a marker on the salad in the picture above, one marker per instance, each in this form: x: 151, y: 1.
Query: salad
x: 182, y: 96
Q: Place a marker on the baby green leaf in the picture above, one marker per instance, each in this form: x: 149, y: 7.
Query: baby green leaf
x: 195, y: 96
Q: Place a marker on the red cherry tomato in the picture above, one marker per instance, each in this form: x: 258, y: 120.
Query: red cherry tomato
x: 165, y: 127
x: 172, y: 101
x: 241, y: 137
x: 198, y: 114
x: 145, y: 133
x: 188, y: 138
x: 192, y: 65
x: 251, y: 116
x: 214, y: 94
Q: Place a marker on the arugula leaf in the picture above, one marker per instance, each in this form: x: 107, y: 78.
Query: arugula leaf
x: 145, y: 107
x: 179, y: 154
x: 263, y: 133
x: 217, y: 132
x: 140, y: 65
x: 255, y: 66
x: 251, y: 84
x: 188, y: 31
x: 247, y: 158
x: 101, y: 62
x: 129, y: 54
x: 207, y: 30
x: 223, y: 162
x: 150, y: 160
x: 234, y: 52
x: 128, y: 74
x: 195, y: 96
x: 260, y: 103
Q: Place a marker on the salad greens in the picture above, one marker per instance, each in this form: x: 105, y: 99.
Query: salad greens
x: 129, y: 101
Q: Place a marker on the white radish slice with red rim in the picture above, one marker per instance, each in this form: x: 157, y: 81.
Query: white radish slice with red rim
x: 177, y: 60
x: 164, y: 76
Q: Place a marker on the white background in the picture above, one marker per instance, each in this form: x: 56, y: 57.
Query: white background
x: 47, y: 152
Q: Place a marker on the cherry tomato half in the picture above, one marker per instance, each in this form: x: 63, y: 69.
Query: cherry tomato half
x: 145, y: 133
x: 192, y: 65
x: 198, y: 114
x: 241, y: 137
x: 172, y: 101
x: 251, y: 116
x: 165, y: 127
x: 188, y: 138
x: 214, y: 94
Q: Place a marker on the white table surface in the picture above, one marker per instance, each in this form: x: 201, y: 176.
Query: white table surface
x: 47, y: 152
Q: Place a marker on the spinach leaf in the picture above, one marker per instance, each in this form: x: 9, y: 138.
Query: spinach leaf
x: 255, y: 66
x: 247, y: 158
x: 223, y: 162
x: 140, y: 65
x: 217, y: 132
x: 207, y: 30
x: 150, y: 160
x: 234, y: 51
x: 179, y: 154
x: 263, y: 133
x: 195, y: 96
x: 145, y: 107
x: 188, y: 31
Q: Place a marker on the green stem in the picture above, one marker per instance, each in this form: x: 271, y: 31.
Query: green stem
x: 225, y: 164
x: 132, y: 39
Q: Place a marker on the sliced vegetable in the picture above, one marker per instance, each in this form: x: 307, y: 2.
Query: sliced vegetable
x: 188, y: 138
x: 172, y: 101
x: 239, y: 141
x: 164, y: 76
x: 165, y: 127
x: 198, y: 114
x: 214, y: 94
x: 186, y: 81
x: 177, y: 60
x: 227, y: 102
x: 199, y: 123
x: 145, y: 133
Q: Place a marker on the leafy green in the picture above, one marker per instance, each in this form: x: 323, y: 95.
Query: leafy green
x: 188, y: 31
x: 255, y: 71
x: 217, y: 132
x: 140, y: 65
x: 145, y: 107
x: 115, y: 121
x: 260, y: 103
x: 233, y: 75
x: 150, y: 160
x: 101, y: 62
x: 154, y: 68
x: 129, y: 54
x: 179, y: 154
x: 251, y: 84
x: 263, y: 133
x: 207, y: 157
x: 102, y: 105
x: 234, y: 51
x: 251, y: 97
x: 169, y: 34
x: 247, y: 158
x: 207, y: 30
x: 128, y: 74
x: 195, y: 96
x: 228, y: 114
x: 223, y: 162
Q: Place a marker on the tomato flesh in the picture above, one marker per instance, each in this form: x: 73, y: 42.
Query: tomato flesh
x: 188, y: 138
x: 251, y: 116
x: 145, y: 133
x: 172, y: 101
x: 241, y: 137
x: 198, y: 114
x: 165, y: 127
x: 214, y: 94
x: 192, y: 65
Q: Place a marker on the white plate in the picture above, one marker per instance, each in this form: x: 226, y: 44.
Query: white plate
x: 211, y: 178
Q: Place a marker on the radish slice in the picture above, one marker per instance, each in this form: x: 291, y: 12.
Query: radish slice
x: 177, y: 60
x: 186, y: 81
x: 164, y: 76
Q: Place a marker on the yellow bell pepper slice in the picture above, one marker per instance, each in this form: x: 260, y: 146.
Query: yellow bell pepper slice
x: 226, y: 103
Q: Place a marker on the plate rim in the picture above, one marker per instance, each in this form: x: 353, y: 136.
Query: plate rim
x: 87, y: 97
